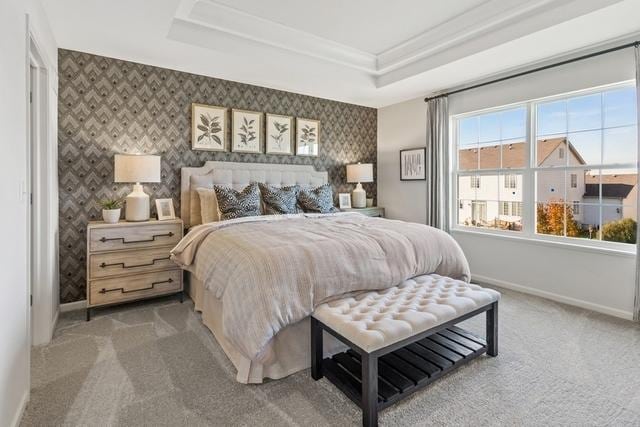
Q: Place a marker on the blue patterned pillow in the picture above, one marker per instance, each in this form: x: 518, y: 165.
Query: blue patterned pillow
x: 236, y: 204
x: 279, y: 200
x: 317, y: 200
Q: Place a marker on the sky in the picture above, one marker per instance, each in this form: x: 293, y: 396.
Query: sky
x: 601, y: 126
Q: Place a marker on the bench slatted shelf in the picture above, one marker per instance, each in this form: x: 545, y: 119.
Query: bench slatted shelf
x: 375, y: 376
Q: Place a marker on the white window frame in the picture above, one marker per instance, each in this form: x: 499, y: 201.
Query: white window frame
x: 528, y: 231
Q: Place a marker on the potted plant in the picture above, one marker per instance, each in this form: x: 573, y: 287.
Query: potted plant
x: 111, y: 210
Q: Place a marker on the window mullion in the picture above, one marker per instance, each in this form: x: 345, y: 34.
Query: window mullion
x: 528, y: 178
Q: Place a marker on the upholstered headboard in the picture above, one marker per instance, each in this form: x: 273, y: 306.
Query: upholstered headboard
x: 238, y: 175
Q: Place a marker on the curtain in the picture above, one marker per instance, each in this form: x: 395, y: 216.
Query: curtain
x: 636, y: 301
x: 437, y: 163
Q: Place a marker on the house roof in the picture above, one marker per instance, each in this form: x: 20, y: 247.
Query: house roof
x: 513, y: 155
x: 613, y: 186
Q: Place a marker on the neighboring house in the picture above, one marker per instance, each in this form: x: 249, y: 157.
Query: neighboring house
x: 619, y: 198
x: 496, y: 200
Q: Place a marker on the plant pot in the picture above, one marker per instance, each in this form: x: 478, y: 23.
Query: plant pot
x: 111, y: 216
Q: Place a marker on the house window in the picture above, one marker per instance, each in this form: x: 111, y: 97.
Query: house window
x: 504, y: 208
x: 579, y: 155
x: 510, y: 181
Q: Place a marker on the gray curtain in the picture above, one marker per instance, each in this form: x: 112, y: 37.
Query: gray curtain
x: 636, y: 301
x: 437, y: 163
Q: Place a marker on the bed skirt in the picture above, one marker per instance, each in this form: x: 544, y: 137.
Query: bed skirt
x: 290, y: 349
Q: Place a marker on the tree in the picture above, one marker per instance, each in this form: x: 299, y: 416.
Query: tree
x: 552, y: 217
x: 623, y: 230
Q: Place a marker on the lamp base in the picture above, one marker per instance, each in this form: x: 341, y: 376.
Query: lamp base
x: 137, y: 205
x: 359, y: 197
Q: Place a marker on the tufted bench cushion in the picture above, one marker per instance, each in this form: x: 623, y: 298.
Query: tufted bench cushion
x: 374, y: 320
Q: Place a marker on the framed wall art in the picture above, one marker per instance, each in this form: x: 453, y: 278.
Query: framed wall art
x: 208, y: 127
x: 307, y: 137
x: 279, y: 134
x: 246, y: 131
x: 413, y: 164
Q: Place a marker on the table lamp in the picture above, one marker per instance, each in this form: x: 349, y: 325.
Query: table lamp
x: 137, y: 168
x: 361, y: 172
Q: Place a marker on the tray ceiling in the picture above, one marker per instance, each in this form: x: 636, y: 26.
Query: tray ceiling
x: 368, y: 52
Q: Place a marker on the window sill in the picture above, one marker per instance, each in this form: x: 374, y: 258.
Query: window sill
x: 608, y: 248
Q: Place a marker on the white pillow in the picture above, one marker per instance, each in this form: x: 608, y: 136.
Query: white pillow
x: 197, y: 181
x: 208, y: 205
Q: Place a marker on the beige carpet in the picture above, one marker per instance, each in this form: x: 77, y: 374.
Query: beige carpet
x: 155, y: 364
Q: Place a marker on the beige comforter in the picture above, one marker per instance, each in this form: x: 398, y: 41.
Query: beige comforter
x: 272, y: 271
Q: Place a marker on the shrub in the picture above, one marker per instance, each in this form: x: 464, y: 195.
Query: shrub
x: 623, y: 230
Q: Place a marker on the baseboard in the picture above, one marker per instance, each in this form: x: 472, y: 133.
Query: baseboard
x: 554, y: 297
x: 20, y: 412
x: 73, y: 306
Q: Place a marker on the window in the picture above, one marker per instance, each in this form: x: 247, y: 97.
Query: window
x: 510, y: 181
x: 491, y: 147
x: 475, y: 182
x: 504, y: 208
x: 573, y: 174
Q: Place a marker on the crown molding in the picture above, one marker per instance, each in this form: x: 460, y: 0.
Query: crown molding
x: 233, y: 23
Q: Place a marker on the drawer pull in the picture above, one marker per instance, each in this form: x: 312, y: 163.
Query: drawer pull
x: 124, y: 291
x: 153, y: 238
x: 153, y: 261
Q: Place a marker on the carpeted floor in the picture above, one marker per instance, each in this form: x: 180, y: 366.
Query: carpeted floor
x: 155, y: 364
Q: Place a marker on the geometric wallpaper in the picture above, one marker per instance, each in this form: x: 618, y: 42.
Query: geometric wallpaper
x: 108, y: 106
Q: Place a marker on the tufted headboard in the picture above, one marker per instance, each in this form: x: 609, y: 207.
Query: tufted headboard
x: 238, y: 175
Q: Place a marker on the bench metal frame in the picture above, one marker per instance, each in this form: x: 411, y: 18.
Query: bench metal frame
x: 367, y: 397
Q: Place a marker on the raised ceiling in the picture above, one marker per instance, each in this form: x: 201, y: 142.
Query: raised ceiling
x: 368, y: 52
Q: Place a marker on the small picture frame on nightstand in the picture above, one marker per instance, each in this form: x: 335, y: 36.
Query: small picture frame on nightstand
x: 165, y: 210
x: 344, y: 199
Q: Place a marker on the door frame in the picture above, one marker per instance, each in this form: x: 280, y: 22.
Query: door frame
x: 42, y: 191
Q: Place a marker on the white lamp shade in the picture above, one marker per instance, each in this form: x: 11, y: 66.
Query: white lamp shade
x: 136, y: 168
x: 361, y: 172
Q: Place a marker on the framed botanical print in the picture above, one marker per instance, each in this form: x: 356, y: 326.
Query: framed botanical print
x: 246, y: 131
x: 307, y: 137
x: 165, y: 210
x: 413, y: 164
x: 279, y: 134
x: 208, y: 127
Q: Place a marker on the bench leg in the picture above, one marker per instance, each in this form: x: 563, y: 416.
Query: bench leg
x: 316, y: 350
x: 369, y: 390
x: 492, y: 330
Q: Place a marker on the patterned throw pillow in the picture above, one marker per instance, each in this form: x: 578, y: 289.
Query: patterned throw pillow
x: 279, y: 200
x: 317, y: 200
x: 236, y: 204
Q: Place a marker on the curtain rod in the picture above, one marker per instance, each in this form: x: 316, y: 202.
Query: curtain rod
x: 535, y: 70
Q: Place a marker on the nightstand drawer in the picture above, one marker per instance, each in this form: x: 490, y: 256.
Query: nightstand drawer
x: 129, y: 237
x: 108, y: 264
x: 109, y: 291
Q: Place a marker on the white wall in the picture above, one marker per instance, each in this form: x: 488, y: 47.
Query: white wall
x: 585, y: 277
x: 14, y: 304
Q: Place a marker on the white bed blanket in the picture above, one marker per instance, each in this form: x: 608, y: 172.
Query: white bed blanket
x: 272, y: 271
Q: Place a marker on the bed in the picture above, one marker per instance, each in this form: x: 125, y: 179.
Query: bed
x: 220, y: 298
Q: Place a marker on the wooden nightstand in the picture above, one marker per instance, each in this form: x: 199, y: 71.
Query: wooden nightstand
x: 129, y: 261
x: 372, y: 211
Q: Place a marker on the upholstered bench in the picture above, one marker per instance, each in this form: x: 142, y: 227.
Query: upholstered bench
x: 401, y: 339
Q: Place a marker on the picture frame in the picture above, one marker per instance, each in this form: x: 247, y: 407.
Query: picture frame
x: 165, y: 209
x: 279, y: 134
x: 246, y: 131
x: 413, y: 164
x: 344, y: 200
x: 307, y: 137
x: 208, y: 127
